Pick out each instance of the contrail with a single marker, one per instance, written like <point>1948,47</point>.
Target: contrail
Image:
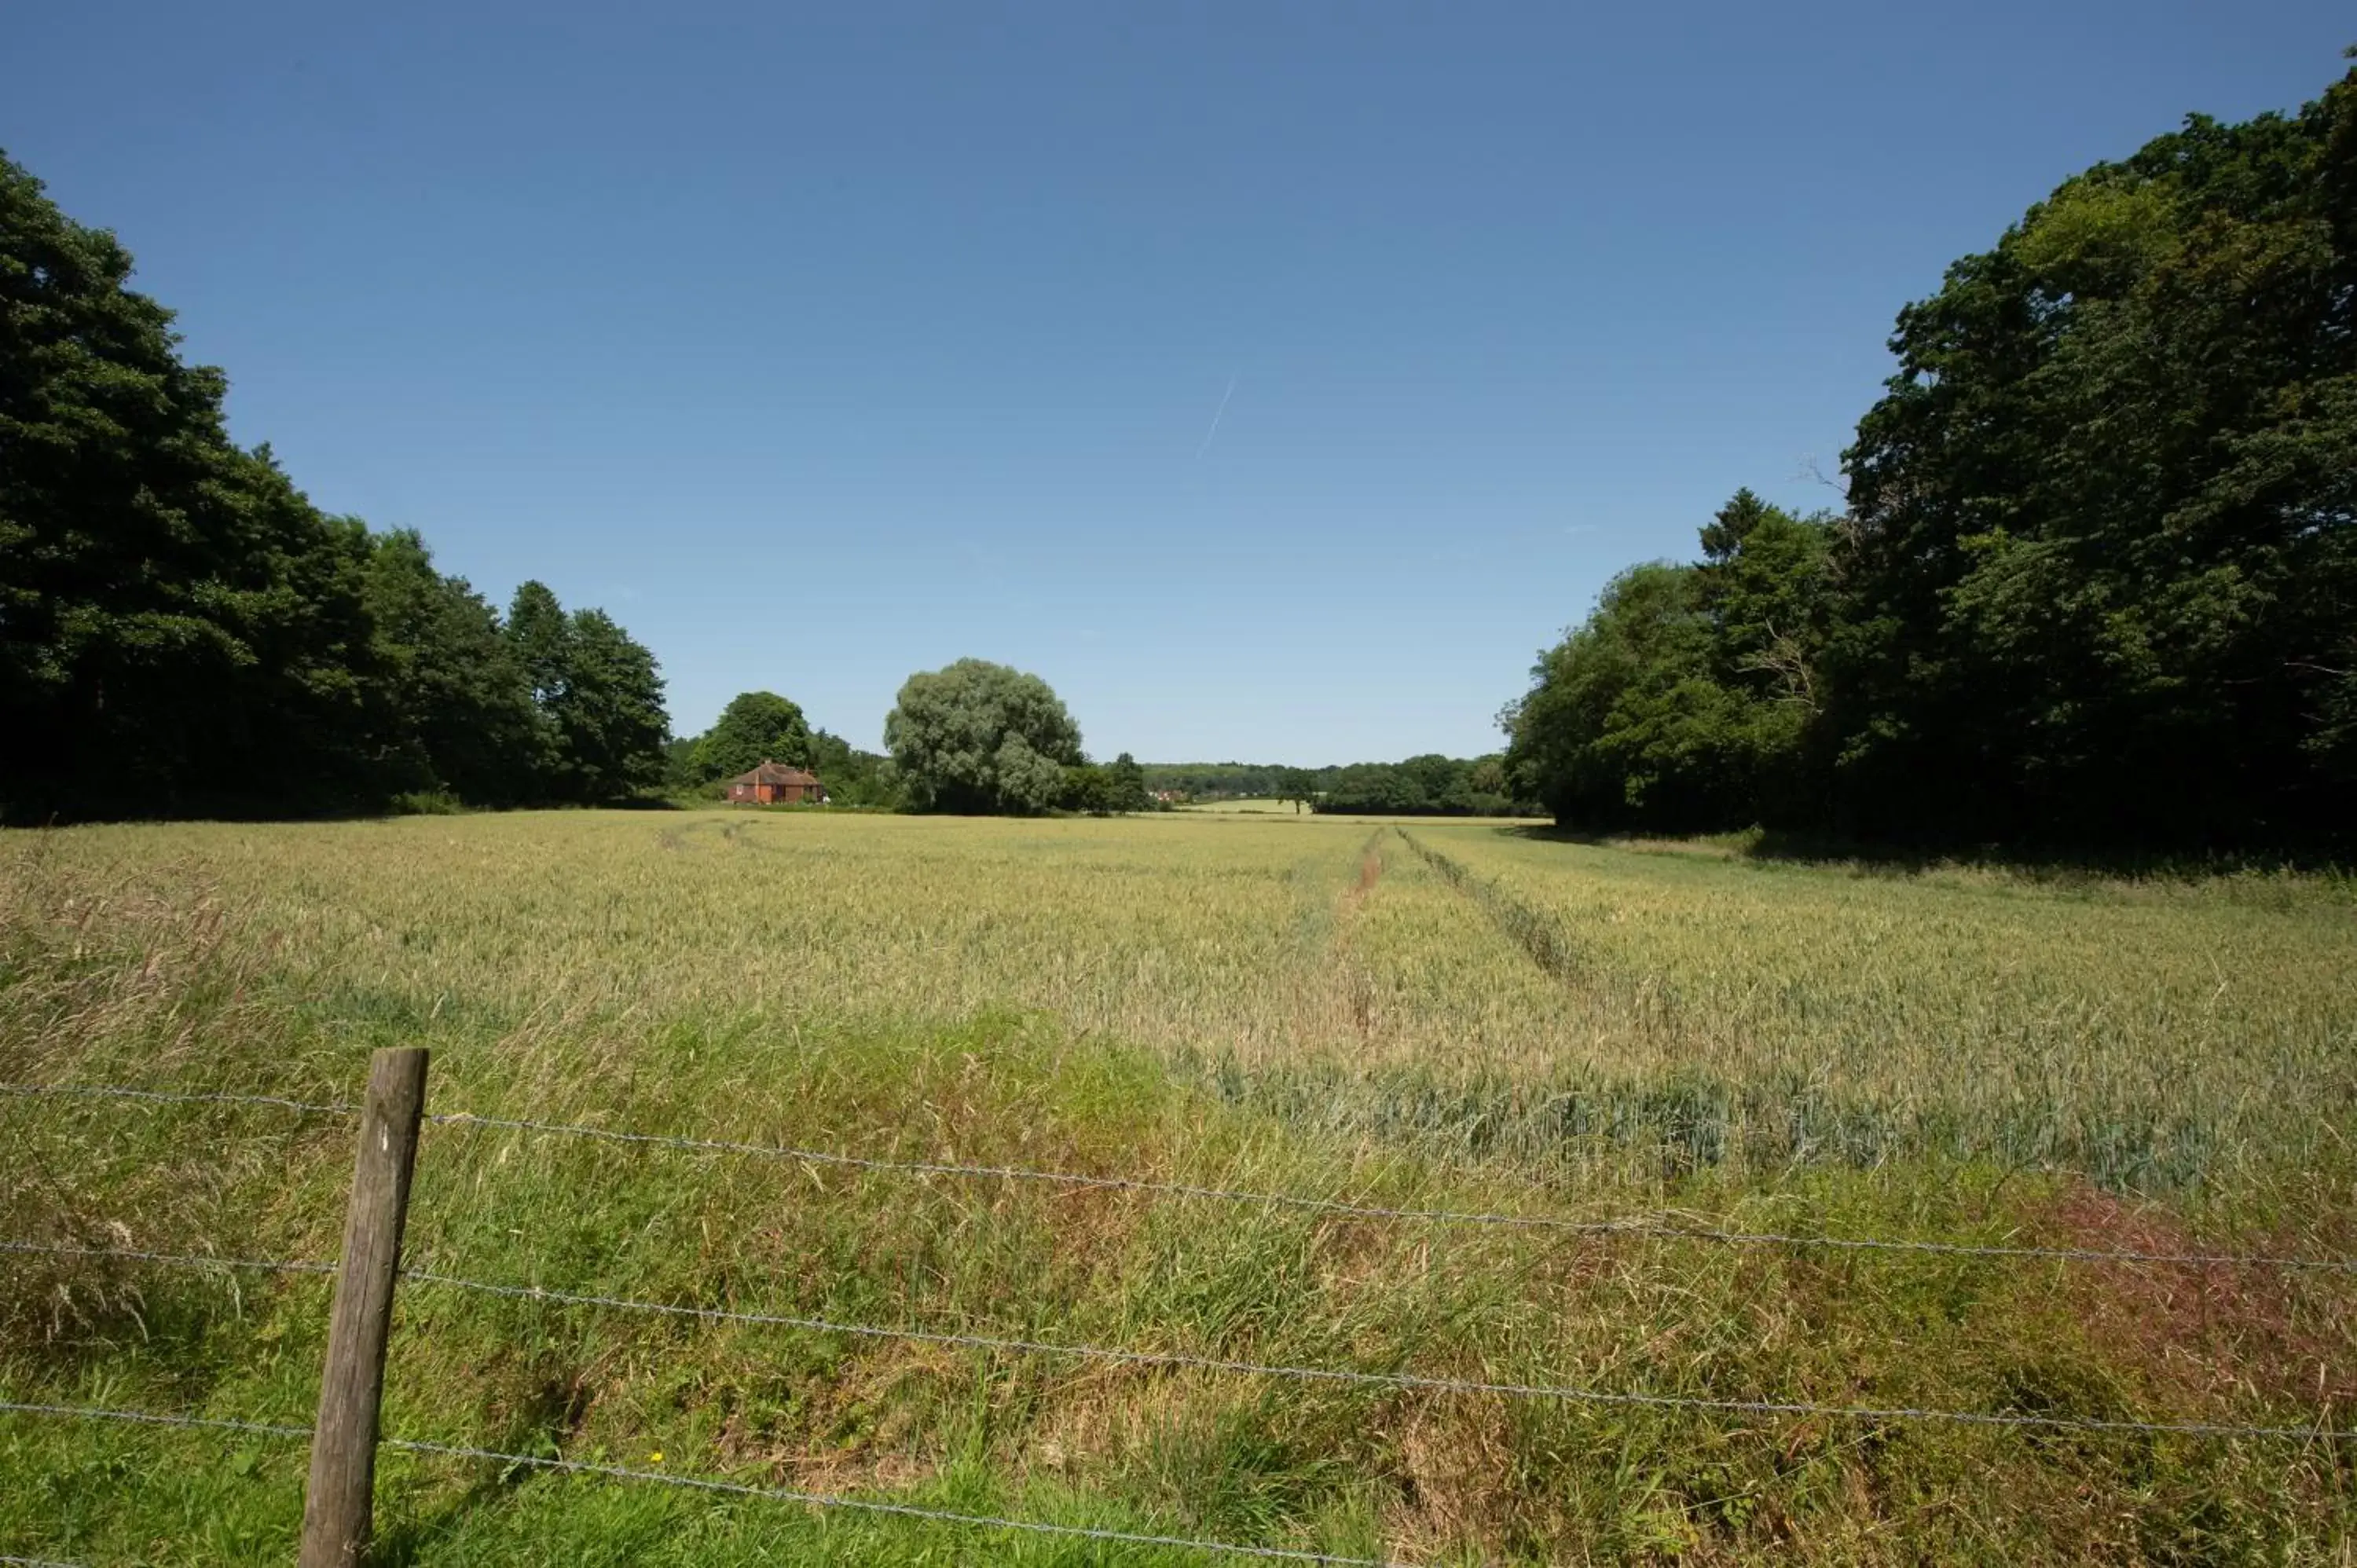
<point>1206,447</point>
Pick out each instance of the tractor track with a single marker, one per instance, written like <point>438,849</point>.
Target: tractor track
<point>1537,933</point>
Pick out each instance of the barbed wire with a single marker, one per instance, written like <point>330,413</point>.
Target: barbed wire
<point>1341,1209</point>
<point>1571,1392</point>
<point>153,1418</point>
<point>192,1260</point>
<point>174,1096</point>
<point>706,1484</point>
<point>1371,1211</point>
<point>1191,1362</point>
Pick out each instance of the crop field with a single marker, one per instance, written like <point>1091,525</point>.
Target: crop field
<point>1472,1017</point>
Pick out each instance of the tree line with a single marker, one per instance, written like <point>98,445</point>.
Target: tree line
<point>1425,785</point>
<point>974,738</point>
<point>762,727</point>
<point>183,631</point>
<point>978,739</point>
<point>2094,583</point>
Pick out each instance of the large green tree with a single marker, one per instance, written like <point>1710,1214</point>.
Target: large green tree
<point>181,629</point>
<point>2098,585</point>
<point>755,727</point>
<point>179,626</point>
<point>1126,788</point>
<point>1687,699</point>
<point>600,696</point>
<point>461,705</point>
<point>981,739</point>
<point>2102,581</point>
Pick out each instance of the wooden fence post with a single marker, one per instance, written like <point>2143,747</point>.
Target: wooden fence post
<point>336,1505</point>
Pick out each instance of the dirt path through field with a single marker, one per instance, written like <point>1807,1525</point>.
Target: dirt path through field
<point>1344,1002</point>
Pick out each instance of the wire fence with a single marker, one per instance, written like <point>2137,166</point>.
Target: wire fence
<point>1638,1226</point>
<point>1191,1361</point>
<point>184,1260</point>
<point>1167,1360</point>
<point>174,1096</point>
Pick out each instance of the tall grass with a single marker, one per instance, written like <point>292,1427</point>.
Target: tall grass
<point>1318,1008</point>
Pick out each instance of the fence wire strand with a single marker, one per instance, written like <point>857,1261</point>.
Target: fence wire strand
<point>1647,1226</point>
<point>183,1259</point>
<point>1369,1212</point>
<point>173,1097</point>
<point>153,1418</point>
<point>1337,1208</point>
<point>703,1484</point>
<point>1185,1360</point>
<point>1570,1392</point>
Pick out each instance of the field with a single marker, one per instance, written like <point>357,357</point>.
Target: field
<point>1420,1014</point>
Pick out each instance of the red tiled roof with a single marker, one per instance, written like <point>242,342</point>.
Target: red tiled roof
<point>776,773</point>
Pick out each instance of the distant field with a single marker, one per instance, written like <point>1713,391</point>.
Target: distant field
<point>1245,807</point>
<point>1414,1014</point>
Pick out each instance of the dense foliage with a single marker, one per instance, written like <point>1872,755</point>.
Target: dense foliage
<point>754,728</point>
<point>181,630</point>
<point>854,777</point>
<point>1103,789</point>
<point>1215,780</point>
<point>979,738</point>
<point>2098,579</point>
<point>1684,700</point>
<point>1428,785</point>
<point>758,726</point>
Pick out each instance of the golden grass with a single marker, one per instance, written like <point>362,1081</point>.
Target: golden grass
<point>2156,1034</point>
<point>1419,1014</point>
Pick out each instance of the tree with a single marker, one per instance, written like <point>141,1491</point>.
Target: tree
<point>1107,789</point>
<point>2098,580</point>
<point>610,723</point>
<point>1297,785</point>
<point>1687,699</point>
<point>1087,788</point>
<point>599,697</point>
<point>1126,786</point>
<point>179,625</point>
<point>541,635</point>
<point>853,776</point>
<point>2095,584</point>
<point>182,629</point>
<point>755,727</point>
<point>980,738</point>
<point>462,718</point>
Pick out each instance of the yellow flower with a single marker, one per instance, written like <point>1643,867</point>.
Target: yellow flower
<point>656,1455</point>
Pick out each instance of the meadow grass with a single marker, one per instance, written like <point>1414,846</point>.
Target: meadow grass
<point>1412,1014</point>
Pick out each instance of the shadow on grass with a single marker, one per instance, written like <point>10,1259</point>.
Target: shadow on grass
<point>2038,862</point>
<point>233,810</point>
<point>549,1417</point>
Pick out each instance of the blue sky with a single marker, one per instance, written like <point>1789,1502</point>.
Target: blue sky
<point>824,344</point>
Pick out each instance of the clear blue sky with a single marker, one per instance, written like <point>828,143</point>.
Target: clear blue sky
<point>826,344</point>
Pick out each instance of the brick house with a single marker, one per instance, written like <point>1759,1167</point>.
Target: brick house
<point>774,784</point>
